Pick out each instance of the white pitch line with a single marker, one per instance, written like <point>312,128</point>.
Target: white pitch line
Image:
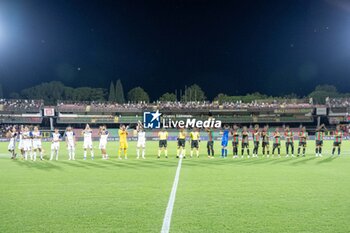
<point>169,208</point>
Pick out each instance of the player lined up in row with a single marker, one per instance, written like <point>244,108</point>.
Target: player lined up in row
<point>29,141</point>
<point>263,136</point>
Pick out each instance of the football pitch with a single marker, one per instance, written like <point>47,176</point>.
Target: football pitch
<point>213,195</point>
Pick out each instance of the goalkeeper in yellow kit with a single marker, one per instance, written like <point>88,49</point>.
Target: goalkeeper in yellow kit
<point>123,141</point>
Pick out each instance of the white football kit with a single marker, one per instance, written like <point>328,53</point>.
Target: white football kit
<point>20,143</point>
<point>141,139</point>
<point>27,141</point>
<point>87,139</point>
<point>12,144</point>
<point>70,140</point>
<point>55,141</point>
<point>103,140</point>
<point>36,140</point>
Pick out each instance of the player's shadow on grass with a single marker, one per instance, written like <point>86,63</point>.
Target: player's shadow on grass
<point>91,164</point>
<point>327,160</point>
<point>284,160</point>
<point>302,161</point>
<point>256,161</point>
<point>73,164</point>
<point>41,165</point>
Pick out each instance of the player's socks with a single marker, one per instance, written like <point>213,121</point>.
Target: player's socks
<point>166,153</point>
<point>56,154</point>
<point>338,150</point>
<point>85,153</point>
<point>225,152</point>
<point>70,155</point>
<point>177,153</point>
<point>191,153</point>
<point>143,153</point>
<point>333,150</point>
<point>51,156</point>
<point>197,153</point>
<point>222,152</point>
<point>92,154</point>
<point>73,155</point>
<point>304,152</point>
<point>26,155</point>
<point>159,151</point>
<point>125,154</point>
<point>138,153</point>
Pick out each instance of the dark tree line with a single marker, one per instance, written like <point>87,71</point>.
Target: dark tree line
<point>53,91</point>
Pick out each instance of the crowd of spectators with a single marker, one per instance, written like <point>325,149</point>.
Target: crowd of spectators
<point>115,107</point>
<point>338,102</point>
<point>4,128</point>
<point>21,105</point>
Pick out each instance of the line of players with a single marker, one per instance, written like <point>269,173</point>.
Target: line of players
<point>30,142</point>
<point>264,137</point>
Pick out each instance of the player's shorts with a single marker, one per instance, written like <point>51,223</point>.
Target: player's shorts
<point>302,144</point>
<point>70,146</point>
<point>27,146</point>
<point>20,145</point>
<point>37,145</point>
<point>55,146</point>
<point>256,144</point>
<point>319,142</point>
<point>277,145</point>
<point>141,144</point>
<point>163,143</point>
<point>265,144</point>
<point>245,145</point>
<point>210,144</point>
<point>123,145</point>
<point>336,143</point>
<point>289,144</point>
<point>87,144</point>
<point>235,144</point>
<point>102,145</point>
<point>194,144</point>
<point>224,143</point>
<point>181,142</point>
<point>12,145</point>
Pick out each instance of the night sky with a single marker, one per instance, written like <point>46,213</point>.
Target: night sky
<point>235,47</point>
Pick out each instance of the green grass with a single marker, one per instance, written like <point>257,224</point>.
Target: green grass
<point>214,195</point>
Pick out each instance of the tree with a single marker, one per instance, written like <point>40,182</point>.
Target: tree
<point>137,94</point>
<point>119,92</point>
<point>168,97</point>
<point>1,92</point>
<point>193,93</point>
<point>14,95</point>
<point>321,92</point>
<point>111,96</point>
<point>53,91</point>
<point>326,88</point>
<point>89,94</point>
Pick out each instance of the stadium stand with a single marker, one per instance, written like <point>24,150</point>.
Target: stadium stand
<point>20,111</point>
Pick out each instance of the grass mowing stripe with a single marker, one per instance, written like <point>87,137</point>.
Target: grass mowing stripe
<point>169,209</point>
